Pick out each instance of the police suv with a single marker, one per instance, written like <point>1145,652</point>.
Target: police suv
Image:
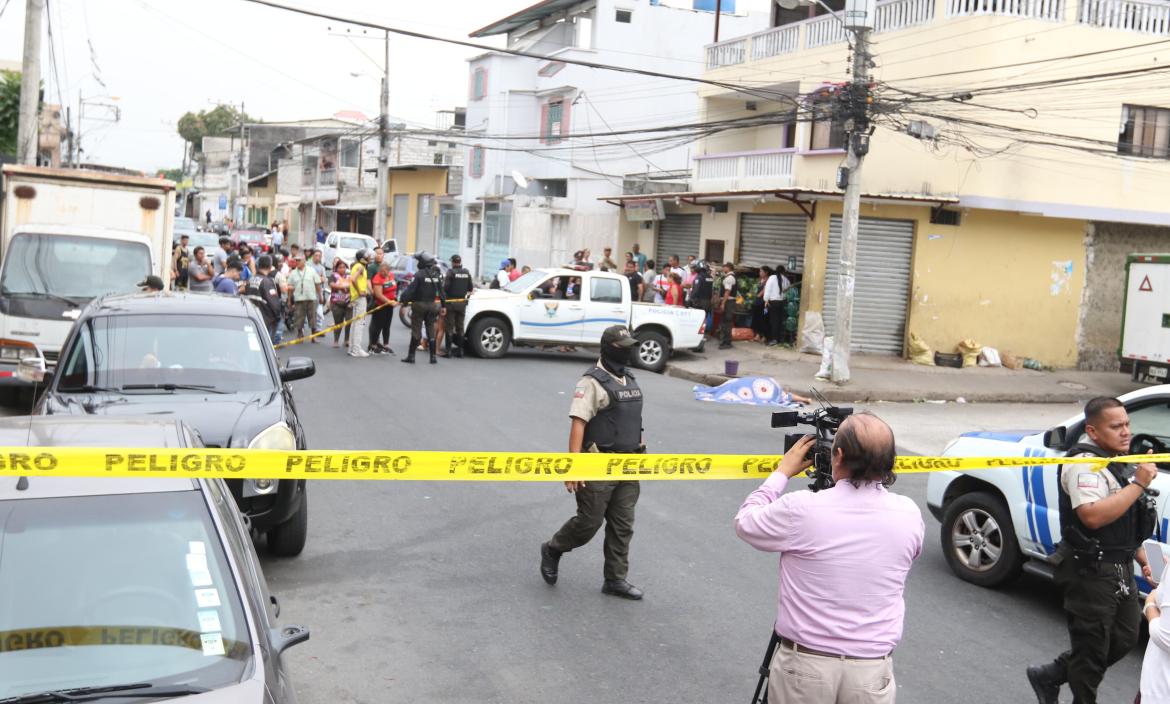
<point>997,523</point>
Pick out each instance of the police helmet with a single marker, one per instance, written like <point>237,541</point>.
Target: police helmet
<point>425,259</point>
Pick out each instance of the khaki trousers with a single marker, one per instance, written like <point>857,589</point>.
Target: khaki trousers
<point>798,678</point>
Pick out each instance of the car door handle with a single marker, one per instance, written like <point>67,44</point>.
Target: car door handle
<point>275,605</point>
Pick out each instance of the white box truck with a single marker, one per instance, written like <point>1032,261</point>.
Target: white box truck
<point>1145,326</point>
<point>68,236</point>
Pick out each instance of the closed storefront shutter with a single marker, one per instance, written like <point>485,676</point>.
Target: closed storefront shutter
<point>678,235</point>
<point>881,293</point>
<point>772,239</point>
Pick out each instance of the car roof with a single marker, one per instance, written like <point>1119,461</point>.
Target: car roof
<point>91,431</point>
<point>173,302</point>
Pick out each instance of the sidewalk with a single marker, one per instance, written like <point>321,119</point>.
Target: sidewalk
<point>882,378</point>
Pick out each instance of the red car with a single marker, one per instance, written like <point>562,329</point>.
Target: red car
<point>258,238</point>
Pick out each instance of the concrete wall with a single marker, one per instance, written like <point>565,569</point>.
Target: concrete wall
<point>1106,246</point>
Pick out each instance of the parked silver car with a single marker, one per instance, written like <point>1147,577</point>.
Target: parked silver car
<point>131,589</point>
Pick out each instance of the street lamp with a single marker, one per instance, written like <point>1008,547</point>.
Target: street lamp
<point>857,19</point>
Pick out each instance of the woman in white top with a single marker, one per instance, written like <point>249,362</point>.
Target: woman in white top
<point>774,307</point>
<point>1155,685</point>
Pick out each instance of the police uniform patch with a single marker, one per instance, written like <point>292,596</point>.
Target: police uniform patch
<point>580,393</point>
<point>1088,480</point>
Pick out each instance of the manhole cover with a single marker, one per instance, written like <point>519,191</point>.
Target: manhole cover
<point>1073,385</point>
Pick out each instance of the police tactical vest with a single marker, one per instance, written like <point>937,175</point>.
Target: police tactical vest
<point>428,286</point>
<point>618,427</point>
<point>702,289</point>
<point>1116,542</point>
<point>460,283</point>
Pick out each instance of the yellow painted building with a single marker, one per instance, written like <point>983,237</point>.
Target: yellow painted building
<point>414,201</point>
<point>1019,151</point>
<point>262,199</point>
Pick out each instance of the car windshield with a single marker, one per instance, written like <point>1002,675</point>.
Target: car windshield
<point>104,590</point>
<point>184,224</point>
<point>73,267</point>
<point>114,351</point>
<point>525,281</point>
<point>356,243</point>
<point>207,240</point>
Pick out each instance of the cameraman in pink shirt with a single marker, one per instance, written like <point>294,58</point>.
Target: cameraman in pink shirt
<point>845,554</point>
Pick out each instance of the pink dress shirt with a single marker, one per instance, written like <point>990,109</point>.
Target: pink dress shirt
<point>845,553</point>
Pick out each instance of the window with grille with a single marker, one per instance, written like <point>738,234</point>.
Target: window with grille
<point>553,121</point>
<point>1145,131</point>
<point>624,16</point>
<point>476,160</point>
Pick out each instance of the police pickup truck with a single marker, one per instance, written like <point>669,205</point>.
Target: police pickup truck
<point>999,522</point>
<point>566,307</point>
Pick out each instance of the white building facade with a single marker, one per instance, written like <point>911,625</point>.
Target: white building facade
<point>539,119</point>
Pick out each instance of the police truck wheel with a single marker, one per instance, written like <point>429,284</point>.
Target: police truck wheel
<point>979,541</point>
<point>652,351</point>
<point>288,538</point>
<point>490,338</point>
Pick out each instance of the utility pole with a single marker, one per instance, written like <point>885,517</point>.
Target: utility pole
<point>857,126</point>
<point>241,176</point>
<point>30,85</point>
<point>380,233</point>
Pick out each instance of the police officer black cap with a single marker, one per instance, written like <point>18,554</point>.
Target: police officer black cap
<point>617,336</point>
<point>456,260</point>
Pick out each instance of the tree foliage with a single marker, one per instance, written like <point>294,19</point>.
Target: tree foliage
<point>194,126</point>
<point>9,111</point>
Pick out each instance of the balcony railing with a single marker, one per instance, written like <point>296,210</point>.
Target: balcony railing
<point>328,178</point>
<point>770,168</point>
<point>1127,15</point>
<point>1030,9</point>
<point>892,15</point>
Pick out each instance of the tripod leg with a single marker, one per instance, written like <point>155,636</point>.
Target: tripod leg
<point>761,695</point>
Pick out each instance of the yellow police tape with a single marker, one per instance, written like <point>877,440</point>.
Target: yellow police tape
<point>440,465</point>
<point>62,636</point>
<point>351,321</point>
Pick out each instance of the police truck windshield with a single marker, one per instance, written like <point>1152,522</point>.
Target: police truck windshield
<point>137,589</point>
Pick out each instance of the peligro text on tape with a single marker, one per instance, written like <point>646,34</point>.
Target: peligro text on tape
<point>448,466</point>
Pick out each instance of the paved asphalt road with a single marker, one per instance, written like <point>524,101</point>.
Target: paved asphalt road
<point>429,592</point>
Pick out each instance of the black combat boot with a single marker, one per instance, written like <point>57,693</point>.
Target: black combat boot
<point>550,561</point>
<point>431,345</point>
<point>457,350</point>
<point>409,358</point>
<point>1046,681</point>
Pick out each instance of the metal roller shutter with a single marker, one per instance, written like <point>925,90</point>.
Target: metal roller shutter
<point>881,293</point>
<point>678,235</point>
<point>771,239</point>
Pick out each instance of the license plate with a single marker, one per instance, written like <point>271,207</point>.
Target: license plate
<point>1156,372</point>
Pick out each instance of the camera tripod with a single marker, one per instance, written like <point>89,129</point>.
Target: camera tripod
<point>761,695</point>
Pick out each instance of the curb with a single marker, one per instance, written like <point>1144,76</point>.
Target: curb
<point>851,394</point>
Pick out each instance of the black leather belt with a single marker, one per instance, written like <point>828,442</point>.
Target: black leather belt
<point>784,642</point>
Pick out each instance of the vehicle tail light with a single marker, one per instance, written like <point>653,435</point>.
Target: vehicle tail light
<point>703,327</point>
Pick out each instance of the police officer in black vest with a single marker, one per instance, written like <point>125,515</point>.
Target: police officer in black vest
<point>607,417</point>
<point>457,285</point>
<point>427,303</point>
<point>1104,518</point>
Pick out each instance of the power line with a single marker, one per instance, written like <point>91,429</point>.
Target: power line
<point>516,52</point>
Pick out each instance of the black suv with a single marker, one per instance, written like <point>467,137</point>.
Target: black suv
<point>206,359</point>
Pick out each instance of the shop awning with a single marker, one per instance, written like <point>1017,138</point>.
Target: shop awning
<point>802,197</point>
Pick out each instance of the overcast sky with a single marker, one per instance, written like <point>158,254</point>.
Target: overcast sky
<point>160,58</point>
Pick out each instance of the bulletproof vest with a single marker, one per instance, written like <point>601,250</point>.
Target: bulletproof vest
<point>701,288</point>
<point>618,427</point>
<point>460,283</point>
<point>1116,542</point>
<point>427,289</point>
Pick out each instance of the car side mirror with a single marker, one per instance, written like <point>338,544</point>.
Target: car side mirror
<point>298,368</point>
<point>332,245</point>
<point>1055,439</point>
<point>32,370</point>
<point>286,637</point>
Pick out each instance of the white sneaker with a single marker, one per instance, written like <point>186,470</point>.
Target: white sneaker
<point>359,353</point>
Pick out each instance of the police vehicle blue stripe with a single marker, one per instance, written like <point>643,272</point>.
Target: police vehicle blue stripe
<point>615,321</point>
<point>1002,436</point>
<point>1041,504</point>
<point>1028,501</point>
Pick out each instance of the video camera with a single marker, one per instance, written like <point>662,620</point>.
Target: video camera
<point>825,420</point>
